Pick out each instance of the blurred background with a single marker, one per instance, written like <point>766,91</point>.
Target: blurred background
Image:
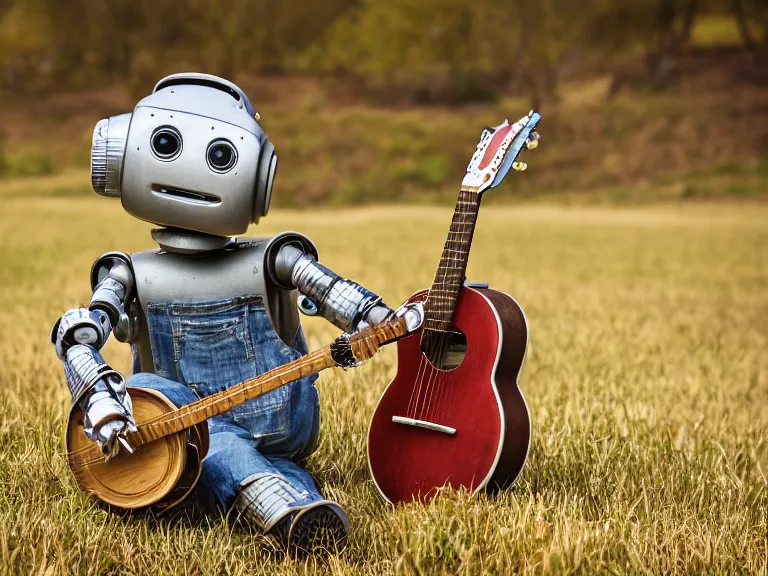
<point>373,101</point>
<point>636,243</point>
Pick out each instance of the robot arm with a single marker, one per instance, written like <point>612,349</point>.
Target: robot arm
<point>96,388</point>
<point>113,285</point>
<point>342,302</point>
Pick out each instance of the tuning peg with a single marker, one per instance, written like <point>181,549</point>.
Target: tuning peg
<point>533,141</point>
<point>519,166</point>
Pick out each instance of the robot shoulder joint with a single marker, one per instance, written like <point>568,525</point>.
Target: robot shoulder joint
<point>281,254</point>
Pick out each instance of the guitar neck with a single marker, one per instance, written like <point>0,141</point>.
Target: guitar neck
<point>220,402</point>
<point>450,275</point>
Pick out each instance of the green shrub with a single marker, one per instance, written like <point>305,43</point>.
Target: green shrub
<point>429,171</point>
<point>432,51</point>
<point>29,164</point>
<point>3,160</point>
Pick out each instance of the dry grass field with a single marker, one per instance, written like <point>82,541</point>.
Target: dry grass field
<point>647,379</point>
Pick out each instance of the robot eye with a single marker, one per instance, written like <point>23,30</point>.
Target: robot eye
<point>222,156</point>
<point>166,143</point>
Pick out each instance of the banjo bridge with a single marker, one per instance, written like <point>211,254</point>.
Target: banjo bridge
<point>424,424</point>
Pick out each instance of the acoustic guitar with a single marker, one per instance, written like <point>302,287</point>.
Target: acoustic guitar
<point>163,459</point>
<point>454,415</point>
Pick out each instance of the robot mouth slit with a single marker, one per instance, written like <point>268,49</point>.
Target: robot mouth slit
<point>199,198</point>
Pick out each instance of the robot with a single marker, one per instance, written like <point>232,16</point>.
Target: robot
<point>206,309</point>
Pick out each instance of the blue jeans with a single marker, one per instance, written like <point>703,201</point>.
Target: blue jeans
<point>202,347</point>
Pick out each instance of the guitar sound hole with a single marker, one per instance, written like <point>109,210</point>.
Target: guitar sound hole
<point>444,350</point>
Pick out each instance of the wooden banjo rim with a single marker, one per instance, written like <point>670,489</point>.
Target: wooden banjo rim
<point>129,481</point>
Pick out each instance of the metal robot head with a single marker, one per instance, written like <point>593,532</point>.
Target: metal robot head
<point>190,156</point>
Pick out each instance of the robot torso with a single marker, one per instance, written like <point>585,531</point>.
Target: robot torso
<point>175,291</point>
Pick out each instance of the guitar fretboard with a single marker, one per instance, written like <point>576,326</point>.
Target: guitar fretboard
<point>449,278</point>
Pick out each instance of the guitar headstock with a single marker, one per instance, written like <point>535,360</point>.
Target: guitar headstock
<point>498,151</point>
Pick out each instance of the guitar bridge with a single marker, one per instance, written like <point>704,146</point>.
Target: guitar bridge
<point>424,424</point>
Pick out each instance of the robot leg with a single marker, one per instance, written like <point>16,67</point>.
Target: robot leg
<point>301,526</point>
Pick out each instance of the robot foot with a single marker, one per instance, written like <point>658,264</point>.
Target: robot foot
<point>320,529</point>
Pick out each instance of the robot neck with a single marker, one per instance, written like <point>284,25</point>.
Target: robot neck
<point>187,241</point>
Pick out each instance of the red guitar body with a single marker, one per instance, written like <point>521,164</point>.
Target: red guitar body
<point>467,427</point>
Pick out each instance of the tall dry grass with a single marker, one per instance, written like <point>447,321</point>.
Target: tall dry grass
<point>647,379</point>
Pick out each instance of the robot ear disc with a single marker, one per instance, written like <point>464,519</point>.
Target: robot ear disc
<point>107,149</point>
<point>99,157</point>
<point>270,182</point>
<point>265,177</point>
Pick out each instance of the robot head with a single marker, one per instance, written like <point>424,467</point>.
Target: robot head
<point>190,156</point>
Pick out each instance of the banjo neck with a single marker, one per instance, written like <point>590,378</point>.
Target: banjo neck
<point>346,351</point>
<point>191,414</point>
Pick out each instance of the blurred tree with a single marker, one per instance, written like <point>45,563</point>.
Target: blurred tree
<point>24,45</point>
<point>424,51</point>
<point>658,29</point>
<point>458,50</point>
<point>427,51</point>
<point>751,15</point>
<point>78,43</point>
<point>554,34</point>
<point>673,30</point>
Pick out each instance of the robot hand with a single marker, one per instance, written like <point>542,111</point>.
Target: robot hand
<point>111,436</point>
<point>375,315</point>
<point>80,326</point>
<point>413,312</point>
<point>108,415</point>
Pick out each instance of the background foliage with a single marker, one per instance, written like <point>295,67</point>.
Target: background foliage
<point>381,101</point>
<point>426,51</point>
<point>646,375</point>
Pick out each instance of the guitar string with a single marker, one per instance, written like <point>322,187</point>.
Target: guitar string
<point>442,377</point>
<point>440,357</point>
<point>430,344</point>
<point>419,374</point>
<point>449,393</point>
<point>430,334</point>
<point>443,405</point>
<point>423,362</point>
<point>439,350</point>
<point>423,414</point>
<point>427,367</point>
<point>431,348</point>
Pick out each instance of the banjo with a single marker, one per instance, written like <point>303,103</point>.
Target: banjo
<point>167,448</point>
